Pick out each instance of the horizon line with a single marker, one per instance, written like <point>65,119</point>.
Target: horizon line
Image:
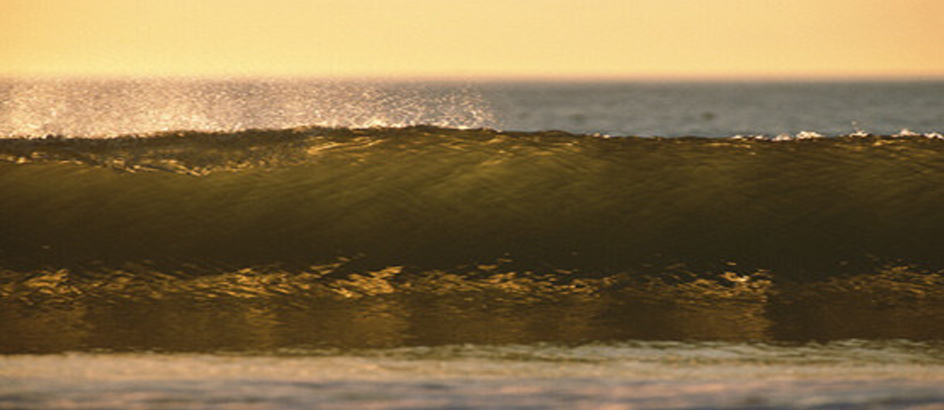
<point>521,78</point>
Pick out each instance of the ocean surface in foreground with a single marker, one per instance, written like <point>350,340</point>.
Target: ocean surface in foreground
<point>629,375</point>
<point>275,244</point>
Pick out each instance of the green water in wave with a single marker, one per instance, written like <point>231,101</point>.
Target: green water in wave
<point>428,236</point>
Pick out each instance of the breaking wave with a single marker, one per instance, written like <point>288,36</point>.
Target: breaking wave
<point>381,236</point>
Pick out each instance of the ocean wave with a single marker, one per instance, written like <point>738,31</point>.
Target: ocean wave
<point>438,198</point>
<point>632,237</point>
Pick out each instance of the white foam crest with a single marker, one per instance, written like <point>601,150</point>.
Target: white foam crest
<point>750,137</point>
<point>802,135</point>
<point>906,133</point>
<point>104,108</point>
<point>806,135</point>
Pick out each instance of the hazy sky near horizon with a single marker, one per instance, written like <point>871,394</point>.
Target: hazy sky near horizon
<point>474,38</point>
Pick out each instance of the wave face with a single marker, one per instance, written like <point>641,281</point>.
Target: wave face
<point>377,237</point>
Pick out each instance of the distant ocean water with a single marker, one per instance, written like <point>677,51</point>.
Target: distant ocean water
<point>702,109</point>
<point>313,244</point>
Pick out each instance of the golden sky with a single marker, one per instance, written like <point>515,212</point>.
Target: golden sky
<point>474,38</point>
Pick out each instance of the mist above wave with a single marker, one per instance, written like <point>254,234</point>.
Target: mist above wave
<point>108,108</point>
